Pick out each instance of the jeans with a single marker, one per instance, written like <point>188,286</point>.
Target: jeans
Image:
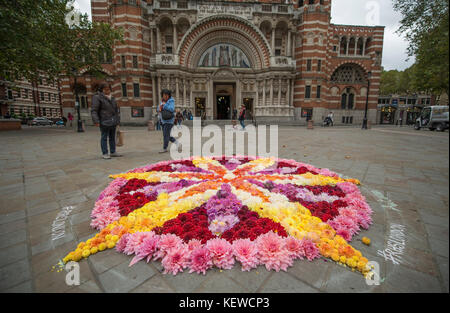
<point>242,123</point>
<point>167,127</point>
<point>108,132</point>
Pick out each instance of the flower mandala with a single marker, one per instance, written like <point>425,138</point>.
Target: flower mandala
<point>203,212</point>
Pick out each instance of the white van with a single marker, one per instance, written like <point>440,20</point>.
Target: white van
<point>434,117</point>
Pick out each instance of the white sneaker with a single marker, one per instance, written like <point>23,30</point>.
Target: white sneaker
<point>106,156</point>
<point>163,151</point>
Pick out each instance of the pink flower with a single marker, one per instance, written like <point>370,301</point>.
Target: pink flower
<point>175,260</point>
<point>272,252</point>
<point>134,241</point>
<point>147,248</point>
<point>200,260</point>
<point>221,253</point>
<point>166,243</point>
<point>294,247</point>
<point>246,252</point>
<point>122,243</point>
<point>193,244</point>
<point>104,219</point>
<point>309,249</point>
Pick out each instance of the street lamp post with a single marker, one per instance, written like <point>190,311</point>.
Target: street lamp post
<point>364,125</point>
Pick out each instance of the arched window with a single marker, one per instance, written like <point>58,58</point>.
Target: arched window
<point>343,101</point>
<point>348,99</point>
<point>349,74</point>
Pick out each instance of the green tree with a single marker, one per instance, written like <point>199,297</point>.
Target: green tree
<point>37,39</point>
<point>425,25</point>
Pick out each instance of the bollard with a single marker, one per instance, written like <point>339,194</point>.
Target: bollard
<point>310,124</point>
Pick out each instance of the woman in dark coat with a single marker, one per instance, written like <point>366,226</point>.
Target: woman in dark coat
<point>105,114</point>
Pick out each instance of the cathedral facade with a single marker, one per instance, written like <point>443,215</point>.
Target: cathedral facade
<point>284,60</point>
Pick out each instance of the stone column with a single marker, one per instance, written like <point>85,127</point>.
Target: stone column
<point>175,39</point>
<point>288,93</point>
<point>271,91</point>
<point>152,41</point>
<point>158,40</point>
<point>364,46</point>
<point>264,93</point>
<point>339,46</point>
<point>348,44</point>
<point>279,92</point>
<point>356,45</point>
<point>289,50</point>
<point>273,41</point>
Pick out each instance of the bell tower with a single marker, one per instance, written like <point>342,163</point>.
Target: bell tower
<point>313,22</point>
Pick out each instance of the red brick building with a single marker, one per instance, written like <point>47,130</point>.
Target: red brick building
<point>283,59</point>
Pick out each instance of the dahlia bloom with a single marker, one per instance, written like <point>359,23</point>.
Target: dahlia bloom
<point>134,241</point>
<point>294,247</point>
<point>272,252</point>
<point>166,243</point>
<point>309,249</point>
<point>147,248</point>
<point>221,253</point>
<point>122,243</point>
<point>176,259</point>
<point>246,252</point>
<point>200,260</point>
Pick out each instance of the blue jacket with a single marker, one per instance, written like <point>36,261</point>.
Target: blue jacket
<point>169,106</point>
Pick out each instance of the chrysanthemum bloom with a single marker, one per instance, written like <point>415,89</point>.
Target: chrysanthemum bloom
<point>294,247</point>
<point>221,253</point>
<point>122,243</point>
<point>134,241</point>
<point>166,243</point>
<point>200,260</point>
<point>176,259</point>
<point>272,252</point>
<point>310,250</point>
<point>147,248</point>
<point>246,252</point>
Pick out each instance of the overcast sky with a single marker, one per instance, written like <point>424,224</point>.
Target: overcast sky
<point>355,12</point>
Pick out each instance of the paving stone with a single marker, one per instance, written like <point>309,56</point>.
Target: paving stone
<point>185,281</point>
<point>156,284</point>
<point>123,278</point>
<point>250,280</point>
<point>443,266</point>
<point>219,283</point>
<point>13,253</point>
<point>25,287</point>
<point>439,247</point>
<point>403,279</point>
<point>313,273</point>
<point>12,238</point>
<point>284,283</point>
<point>13,274</point>
<point>11,217</point>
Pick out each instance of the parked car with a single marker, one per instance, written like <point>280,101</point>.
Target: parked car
<point>41,121</point>
<point>434,117</point>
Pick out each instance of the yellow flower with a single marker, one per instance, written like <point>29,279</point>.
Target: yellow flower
<point>101,246</point>
<point>366,240</point>
<point>110,244</point>
<point>343,259</point>
<point>335,257</point>
<point>86,253</point>
<point>94,250</point>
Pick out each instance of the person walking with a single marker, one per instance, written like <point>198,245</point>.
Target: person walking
<point>242,116</point>
<point>330,117</point>
<point>105,115</point>
<point>167,109</point>
<point>70,117</point>
<point>178,118</point>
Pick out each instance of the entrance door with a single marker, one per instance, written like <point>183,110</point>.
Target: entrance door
<point>223,107</point>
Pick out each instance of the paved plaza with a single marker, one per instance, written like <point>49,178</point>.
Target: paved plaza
<point>404,176</point>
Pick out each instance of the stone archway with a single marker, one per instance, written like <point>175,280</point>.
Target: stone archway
<point>224,29</point>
